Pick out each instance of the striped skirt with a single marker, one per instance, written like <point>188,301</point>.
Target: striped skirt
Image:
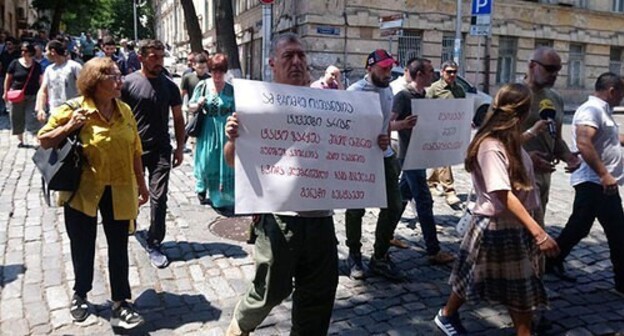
<point>499,262</point>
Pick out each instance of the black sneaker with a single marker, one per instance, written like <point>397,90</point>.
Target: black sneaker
<point>356,268</point>
<point>157,257</point>
<point>125,317</point>
<point>201,196</point>
<point>79,308</point>
<point>386,268</point>
<point>450,325</point>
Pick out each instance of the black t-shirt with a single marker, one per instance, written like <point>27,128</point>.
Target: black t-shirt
<point>20,74</point>
<point>6,58</point>
<point>402,105</point>
<point>190,80</point>
<point>150,100</point>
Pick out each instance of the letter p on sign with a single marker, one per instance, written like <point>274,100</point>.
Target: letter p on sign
<point>481,7</point>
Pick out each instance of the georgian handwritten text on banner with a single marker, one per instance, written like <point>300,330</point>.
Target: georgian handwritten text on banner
<point>303,149</point>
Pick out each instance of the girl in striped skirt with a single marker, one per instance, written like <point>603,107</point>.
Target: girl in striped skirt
<point>499,259</point>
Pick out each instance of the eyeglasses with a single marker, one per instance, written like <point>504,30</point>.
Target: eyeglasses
<point>116,78</point>
<point>451,72</point>
<point>24,50</point>
<point>549,67</point>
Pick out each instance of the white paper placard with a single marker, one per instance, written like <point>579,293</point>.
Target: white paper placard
<point>303,149</point>
<point>442,133</point>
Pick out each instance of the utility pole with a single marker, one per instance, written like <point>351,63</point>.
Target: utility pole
<point>458,36</point>
<point>134,9</point>
<point>267,23</point>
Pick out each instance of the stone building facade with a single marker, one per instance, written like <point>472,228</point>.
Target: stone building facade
<point>16,16</point>
<point>586,33</point>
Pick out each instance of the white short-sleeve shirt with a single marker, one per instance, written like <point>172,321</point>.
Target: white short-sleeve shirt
<point>597,113</point>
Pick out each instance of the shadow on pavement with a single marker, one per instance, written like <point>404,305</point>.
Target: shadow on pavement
<point>185,251</point>
<point>5,124</point>
<point>375,305</point>
<point>9,273</point>
<point>165,311</point>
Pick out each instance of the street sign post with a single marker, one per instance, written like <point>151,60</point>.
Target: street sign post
<point>481,20</point>
<point>389,26</point>
<point>267,21</point>
<point>481,7</point>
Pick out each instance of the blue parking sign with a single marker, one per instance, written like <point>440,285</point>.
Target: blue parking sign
<point>481,7</point>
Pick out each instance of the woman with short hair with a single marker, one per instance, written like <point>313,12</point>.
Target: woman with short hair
<point>111,180</point>
<point>214,97</point>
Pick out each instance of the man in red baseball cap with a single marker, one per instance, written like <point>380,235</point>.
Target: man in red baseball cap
<point>378,66</point>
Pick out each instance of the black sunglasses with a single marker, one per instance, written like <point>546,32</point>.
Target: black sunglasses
<point>450,72</point>
<point>549,67</point>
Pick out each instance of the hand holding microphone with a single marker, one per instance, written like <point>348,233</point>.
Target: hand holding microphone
<point>547,112</point>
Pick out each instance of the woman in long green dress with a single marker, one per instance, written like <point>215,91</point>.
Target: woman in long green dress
<point>214,97</point>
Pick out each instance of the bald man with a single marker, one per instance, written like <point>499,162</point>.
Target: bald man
<point>546,148</point>
<point>331,80</point>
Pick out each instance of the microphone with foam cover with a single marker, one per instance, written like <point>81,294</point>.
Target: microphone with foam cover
<point>547,112</point>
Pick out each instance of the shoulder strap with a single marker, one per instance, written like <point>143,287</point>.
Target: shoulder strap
<point>205,87</point>
<point>32,68</point>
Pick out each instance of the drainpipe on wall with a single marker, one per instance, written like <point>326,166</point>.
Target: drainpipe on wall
<point>346,34</point>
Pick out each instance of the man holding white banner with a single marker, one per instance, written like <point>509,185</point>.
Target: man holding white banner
<point>378,65</point>
<point>446,88</point>
<point>299,245</point>
<point>414,181</point>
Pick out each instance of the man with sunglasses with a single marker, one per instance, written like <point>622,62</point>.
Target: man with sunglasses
<point>445,88</point>
<point>546,148</point>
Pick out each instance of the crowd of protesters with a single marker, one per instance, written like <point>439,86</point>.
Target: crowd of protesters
<point>98,87</point>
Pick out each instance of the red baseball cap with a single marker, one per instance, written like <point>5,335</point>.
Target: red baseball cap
<point>380,57</point>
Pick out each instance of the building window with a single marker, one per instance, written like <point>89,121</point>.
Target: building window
<point>448,44</point>
<point>543,43</point>
<point>575,65</point>
<point>618,6</point>
<point>410,45</point>
<point>615,60</point>
<point>448,48</point>
<point>507,50</point>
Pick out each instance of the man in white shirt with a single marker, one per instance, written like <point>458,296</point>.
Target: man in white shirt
<point>59,80</point>
<point>596,136</point>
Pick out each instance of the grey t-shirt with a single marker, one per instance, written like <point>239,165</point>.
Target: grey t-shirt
<point>596,113</point>
<point>61,82</point>
<point>190,81</point>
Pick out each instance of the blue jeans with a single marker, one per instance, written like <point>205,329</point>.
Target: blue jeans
<point>413,184</point>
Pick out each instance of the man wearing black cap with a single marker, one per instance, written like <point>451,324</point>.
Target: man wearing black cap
<point>378,66</point>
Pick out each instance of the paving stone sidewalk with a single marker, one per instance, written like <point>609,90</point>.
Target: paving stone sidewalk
<point>196,294</point>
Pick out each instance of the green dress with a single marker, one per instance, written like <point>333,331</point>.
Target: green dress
<point>212,174</point>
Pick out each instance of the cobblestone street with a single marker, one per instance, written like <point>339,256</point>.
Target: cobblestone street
<point>196,294</point>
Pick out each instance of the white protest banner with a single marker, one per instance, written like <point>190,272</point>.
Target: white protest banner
<point>442,133</point>
<point>303,149</point>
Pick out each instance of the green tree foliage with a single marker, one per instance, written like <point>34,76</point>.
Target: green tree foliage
<point>114,16</point>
